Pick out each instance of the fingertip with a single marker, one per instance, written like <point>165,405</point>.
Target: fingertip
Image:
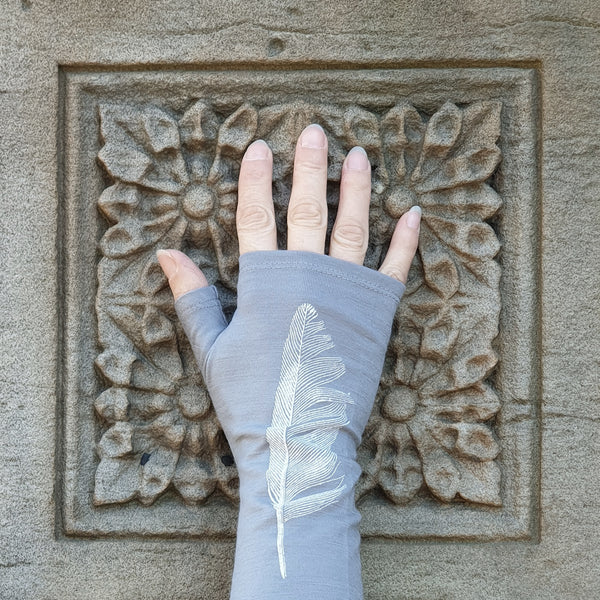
<point>258,150</point>
<point>313,136</point>
<point>181,272</point>
<point>357,160</point>
<point>413,217</point>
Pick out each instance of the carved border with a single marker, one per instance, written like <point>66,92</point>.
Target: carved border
<point>516,374</point>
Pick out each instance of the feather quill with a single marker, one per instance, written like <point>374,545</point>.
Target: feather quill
<point>307,416</point>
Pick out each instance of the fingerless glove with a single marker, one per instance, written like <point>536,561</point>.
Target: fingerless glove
<point>293,378</point>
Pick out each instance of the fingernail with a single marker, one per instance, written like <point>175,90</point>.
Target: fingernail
<point>414,217</point>
<point>313,137</point>
<point>257,150</point>
<point>167,262</point>
<point>357,159</point>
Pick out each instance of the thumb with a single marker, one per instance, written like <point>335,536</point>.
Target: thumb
<point>196,303</point>
<point>183,275</point>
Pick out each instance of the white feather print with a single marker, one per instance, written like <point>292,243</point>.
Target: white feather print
<point>306,419</point>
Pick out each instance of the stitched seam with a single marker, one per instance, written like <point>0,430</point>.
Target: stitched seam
<point>194,307</point>
<point>370,286</point>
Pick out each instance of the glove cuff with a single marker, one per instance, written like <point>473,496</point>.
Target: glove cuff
<point>313,262</point>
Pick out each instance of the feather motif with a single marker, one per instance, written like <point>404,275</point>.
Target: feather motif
<point>306,419</point>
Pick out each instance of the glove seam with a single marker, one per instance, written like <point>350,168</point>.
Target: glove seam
<point>325,271</point>
<point>195,306</point>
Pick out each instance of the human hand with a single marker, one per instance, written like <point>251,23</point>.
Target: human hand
<point>281,396</point>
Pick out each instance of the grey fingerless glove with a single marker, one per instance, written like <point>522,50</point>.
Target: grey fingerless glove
<point>293,378</point>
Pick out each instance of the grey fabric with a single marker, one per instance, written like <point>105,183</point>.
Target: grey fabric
<point>330,386</point>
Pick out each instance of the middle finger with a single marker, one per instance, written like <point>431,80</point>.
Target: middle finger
<point>307,211</point>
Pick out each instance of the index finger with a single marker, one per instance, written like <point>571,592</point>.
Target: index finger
<point>255,216</point>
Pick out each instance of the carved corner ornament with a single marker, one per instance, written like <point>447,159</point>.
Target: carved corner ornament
<point>173,184</point>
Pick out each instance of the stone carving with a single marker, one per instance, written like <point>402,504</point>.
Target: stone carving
<point>173,181</point>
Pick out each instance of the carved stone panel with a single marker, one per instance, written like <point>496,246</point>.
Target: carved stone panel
<point>151,161</point>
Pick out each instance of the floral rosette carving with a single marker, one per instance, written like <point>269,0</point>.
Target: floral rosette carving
<point>435,423</point>
<point>174,185</point>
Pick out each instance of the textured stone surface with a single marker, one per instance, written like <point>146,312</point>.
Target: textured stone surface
<point>172,164</point>
<point>540,61</point>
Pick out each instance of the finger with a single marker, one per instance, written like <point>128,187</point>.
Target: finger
<point>350,234</point>
<point>183,275</point>
<point>307,211</point>
<point>403,245</point>
<point>255,216</point>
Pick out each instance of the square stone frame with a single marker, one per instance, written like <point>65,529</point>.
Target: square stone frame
<point>518,373</point>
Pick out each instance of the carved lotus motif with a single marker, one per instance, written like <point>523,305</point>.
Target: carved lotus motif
<point>174,185</point>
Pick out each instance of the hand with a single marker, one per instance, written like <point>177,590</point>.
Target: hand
<point>294,375</point>
<point>307,213</point>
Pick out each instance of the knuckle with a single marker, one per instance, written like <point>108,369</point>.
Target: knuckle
<point>306,213</point>
<point>350,235</point>
<point>394,272</point>
<point>254,217</point>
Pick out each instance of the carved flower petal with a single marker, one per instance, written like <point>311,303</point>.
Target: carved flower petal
<point>237,131</point>
<point>469,239</point>
<point>162,131</point>
<point>193,480</point>
<point>471,166</point>
<point>439,270</point>
<point>133,235</point>
<point>168,430</point>
<point>157,328</point>
<point>480,482</point>
<point>225,215</point>
<point>116,365</point>
<point>400,476</point>
<point>116,441</point>
<point>402,131</point>
<point>224,472</point>
<point>155,368</point>
<point>112,404</point>
<point>157,474</point>
<point>441,134</point>
<point>472,156</point>
<point>439,469</point>
<point>161,375</point>
<point>117,480</point>
<point>439,339</point>
<point>477,403</point>
<point>441,475</point>
<point>472,366</point>
<point>476,441</point>
<point>361,128</point>
<point>481,125</point>
<point>226,249</point>
<point>152,277</point>
<point>475,201</point>
<point>194,444</point>
<point>129,164</point>
<point>119,201</point>
<point>142,146</point>
<point>198,126</point>
<point>147,405</point>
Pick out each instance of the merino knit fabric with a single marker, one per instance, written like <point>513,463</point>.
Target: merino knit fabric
<point>293,378</point>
